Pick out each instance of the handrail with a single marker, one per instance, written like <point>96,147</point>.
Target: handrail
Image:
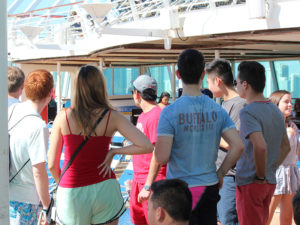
<point>121,13</point>
<point>42,9</point>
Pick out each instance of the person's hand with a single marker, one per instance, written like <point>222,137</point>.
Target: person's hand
<point>291,131</point>
<point>106,164</point>
<point>44,219</point>
<point>143,195</point>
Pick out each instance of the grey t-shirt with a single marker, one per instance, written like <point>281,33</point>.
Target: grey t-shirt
<point>232,107</point>
<point>262,117</point>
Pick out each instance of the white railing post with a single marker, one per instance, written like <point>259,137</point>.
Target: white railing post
<point>58,87</point>
<point>4,185</point>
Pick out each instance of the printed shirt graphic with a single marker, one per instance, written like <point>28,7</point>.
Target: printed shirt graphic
<point>196,124</point>
<point>147,123</point>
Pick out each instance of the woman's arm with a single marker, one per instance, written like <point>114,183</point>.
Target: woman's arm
<point>41,182</point>
<point>55,149</point>
<point>140,143</point>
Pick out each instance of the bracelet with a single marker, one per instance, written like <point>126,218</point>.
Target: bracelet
<point>260,178</point>
<point>44,211</point>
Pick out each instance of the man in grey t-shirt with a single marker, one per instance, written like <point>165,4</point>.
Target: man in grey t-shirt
<point>221,84</point>
<point>265,146</point>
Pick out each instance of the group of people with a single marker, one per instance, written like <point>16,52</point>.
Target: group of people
<point>194,161</point>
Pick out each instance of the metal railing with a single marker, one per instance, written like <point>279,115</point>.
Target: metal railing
<point>59,24</point>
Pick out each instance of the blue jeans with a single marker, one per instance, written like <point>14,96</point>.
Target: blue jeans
<point>227,214</point>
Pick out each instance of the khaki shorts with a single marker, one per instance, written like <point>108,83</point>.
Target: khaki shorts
<point>94,204</point>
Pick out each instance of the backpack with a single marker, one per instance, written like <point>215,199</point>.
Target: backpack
<point>9,129</point>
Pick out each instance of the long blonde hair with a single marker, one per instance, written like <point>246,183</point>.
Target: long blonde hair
<point>90,97</point>
<point>276,96</point>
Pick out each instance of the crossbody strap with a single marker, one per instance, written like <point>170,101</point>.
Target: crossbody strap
<point>11,179</point>
<point>80,146</point>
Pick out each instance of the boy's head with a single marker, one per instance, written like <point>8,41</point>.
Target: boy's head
<point>250,74</point>
<point>144,87</point>
<point>219,73</point>
<point>190,66</point>
<point>170,200</point>
<point>16,79</point>
<point>39,85</point>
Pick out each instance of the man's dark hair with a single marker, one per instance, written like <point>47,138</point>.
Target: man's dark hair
<point>174,196</point>
<point>222,69</point>
<point>254,73</point>
<point>190,66</point>
<point>148,94</point>
<point>296,207</point>
<point>15,78</point>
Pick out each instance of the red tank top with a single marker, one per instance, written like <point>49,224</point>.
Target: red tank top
<point>83,170</point>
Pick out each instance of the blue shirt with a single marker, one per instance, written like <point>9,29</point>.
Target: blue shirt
<point>196,124</point>
<point>12,101</point>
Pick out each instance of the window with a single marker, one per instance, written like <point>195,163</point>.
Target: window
<point>108,77</point>
<point>123,78</point>
<point>163,77</point>
<point>288,76</point>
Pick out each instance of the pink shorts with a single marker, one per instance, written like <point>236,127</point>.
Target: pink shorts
<point>196,193</point>
<point>252,203</point>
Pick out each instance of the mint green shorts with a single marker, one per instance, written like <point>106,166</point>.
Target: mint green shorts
<point>94,204</point>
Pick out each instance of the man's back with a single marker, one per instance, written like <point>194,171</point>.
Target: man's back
<point>262,117</point>
<point>196,124</point>
<point>147,123</point>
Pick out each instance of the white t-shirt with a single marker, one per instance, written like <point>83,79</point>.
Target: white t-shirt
<point>28,139</point>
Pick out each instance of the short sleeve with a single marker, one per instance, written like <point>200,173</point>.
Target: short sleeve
<point>249,124</point>
<point>38,145</point>
<point>236,117</point>
<point>165,127</point>
<point>228,123</point>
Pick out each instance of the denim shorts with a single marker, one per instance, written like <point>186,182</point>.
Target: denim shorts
<point>21,213</point>
<point>93,204</point>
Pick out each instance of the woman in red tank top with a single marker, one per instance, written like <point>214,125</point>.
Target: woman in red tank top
<point>88,192</point>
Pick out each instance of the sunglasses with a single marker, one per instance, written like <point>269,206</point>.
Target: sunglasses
<point>234,83</point>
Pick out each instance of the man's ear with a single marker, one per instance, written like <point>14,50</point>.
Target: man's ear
<point>218,80</point>
<point>178,75</point>
<point>202,75</point>
<point>160,214</point>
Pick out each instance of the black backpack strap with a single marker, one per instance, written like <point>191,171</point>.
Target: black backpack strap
<point>10,180</point>
<point>80,146</point>
<point>21,120</point>
<point>12,112</point>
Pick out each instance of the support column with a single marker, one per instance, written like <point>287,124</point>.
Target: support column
<point>4,173</point>
<point>173,83</point>
<point>58,87</point>
<point>101,62</point>
<point>217,55</point>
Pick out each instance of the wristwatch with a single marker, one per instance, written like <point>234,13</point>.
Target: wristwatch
<point>260,178</point>
<point>147,187</point>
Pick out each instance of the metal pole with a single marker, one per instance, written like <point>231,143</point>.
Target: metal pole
<point>217,55</point>
<point>4,173</point>
<point>58,87</point>
<point>173,83</point>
